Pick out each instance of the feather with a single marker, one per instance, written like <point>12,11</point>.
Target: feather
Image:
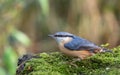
<point>80,44</point>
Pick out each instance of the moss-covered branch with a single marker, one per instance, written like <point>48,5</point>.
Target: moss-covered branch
<point>58,64</point>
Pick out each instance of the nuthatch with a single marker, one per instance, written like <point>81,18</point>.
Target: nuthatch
<point>76,46</point>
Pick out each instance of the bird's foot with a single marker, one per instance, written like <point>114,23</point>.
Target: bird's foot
<point>73,62</point>
<point>76,59</point>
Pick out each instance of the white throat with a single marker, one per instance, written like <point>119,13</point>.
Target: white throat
<point>64,40</point>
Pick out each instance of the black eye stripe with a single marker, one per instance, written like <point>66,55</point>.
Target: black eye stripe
<point>63,35</point>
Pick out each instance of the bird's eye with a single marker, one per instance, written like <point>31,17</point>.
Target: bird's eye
<point>59,35</point>
<point>63,35</point>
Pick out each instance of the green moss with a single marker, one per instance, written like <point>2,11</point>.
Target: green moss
<point>58,64</point>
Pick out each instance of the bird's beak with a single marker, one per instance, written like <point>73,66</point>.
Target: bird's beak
<point>51,36</point>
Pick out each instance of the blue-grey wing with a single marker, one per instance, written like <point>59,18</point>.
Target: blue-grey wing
<point>80,44</point>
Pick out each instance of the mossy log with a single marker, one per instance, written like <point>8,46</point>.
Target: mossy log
<point>56,63</point>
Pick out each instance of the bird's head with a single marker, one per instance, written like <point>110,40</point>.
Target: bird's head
<point>62,37</point>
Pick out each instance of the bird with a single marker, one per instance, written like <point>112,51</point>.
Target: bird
<point>76,46</point>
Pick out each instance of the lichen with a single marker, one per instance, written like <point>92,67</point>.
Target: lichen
<point>56,63</point>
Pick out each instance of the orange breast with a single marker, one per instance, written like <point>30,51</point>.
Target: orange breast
<point>76,53</point>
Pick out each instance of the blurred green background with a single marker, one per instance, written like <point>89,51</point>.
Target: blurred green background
<point>25,25</point>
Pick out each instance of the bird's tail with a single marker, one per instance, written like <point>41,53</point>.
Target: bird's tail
<point>106,50</point>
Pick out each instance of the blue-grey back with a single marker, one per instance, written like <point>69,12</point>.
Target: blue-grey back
<point>79,43</point>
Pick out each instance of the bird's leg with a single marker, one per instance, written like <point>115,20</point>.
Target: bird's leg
<point>74,60</point>
<point>82,55</point>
